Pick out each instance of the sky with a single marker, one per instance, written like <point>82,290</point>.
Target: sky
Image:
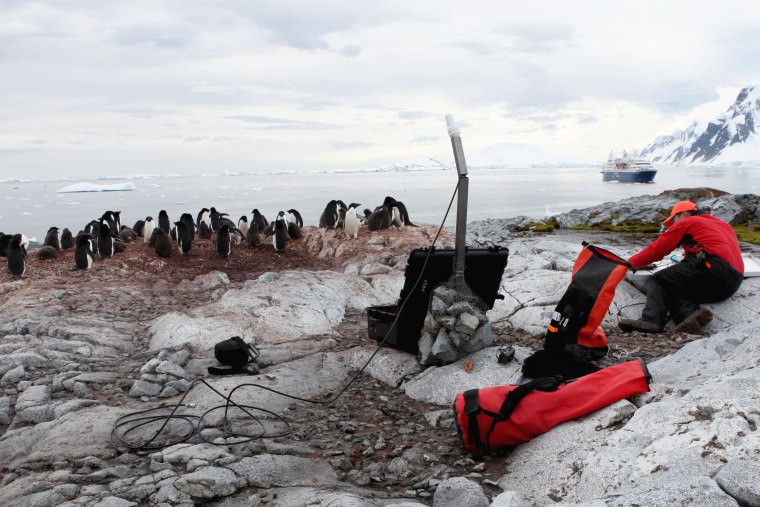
<point>190,86</point>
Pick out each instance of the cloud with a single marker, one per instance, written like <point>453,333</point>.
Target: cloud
<point>280,123</point>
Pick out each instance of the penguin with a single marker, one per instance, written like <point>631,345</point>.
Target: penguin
<point>84,255</point>
<point>163,244</point>
<point>280,238</point>
<point>367,213</point>
<point>215,219</point>
<point>203,217</point>
<point>92,228</point>
<point>243,224</point>
<point>127,235</point>
<point>163,221</point>
<point>67,239</point>
<point>294,231</point>
<point>154,237</point>
<point>117,218</point>
<point>223,241</point>
<point>341,218</point>
<point>252,236</point>
<point>110,218</point>
<point>52,239</point>
<point>187,219</point>
<point>46,253</point>
<point>294,217</point>
<point>118,245</point>
<point>400,216</point>
<point>148,227</point>
<point>269,230</point>
<point>139,227</point>
<point>352,221</point>
<point>17,255</point>
<point>105,240</point>
<point>329,217</point>
<point>379,219</point>
<point>4,240</point>
<point>204,230</point>
<point>184,237</point>
<point>259,219</point>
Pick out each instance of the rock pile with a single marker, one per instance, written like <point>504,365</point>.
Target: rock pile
<point>163,376</point>
<point>454,326</point>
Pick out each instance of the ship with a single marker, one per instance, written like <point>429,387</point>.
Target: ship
<point>628,168</point>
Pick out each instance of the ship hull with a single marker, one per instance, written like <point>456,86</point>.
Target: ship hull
<point>629,176</point>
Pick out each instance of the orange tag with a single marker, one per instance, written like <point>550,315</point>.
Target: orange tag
<point>468,365</point>
<point>553,329</point>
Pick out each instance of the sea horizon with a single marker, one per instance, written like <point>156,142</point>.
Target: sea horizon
<point>31,206</point>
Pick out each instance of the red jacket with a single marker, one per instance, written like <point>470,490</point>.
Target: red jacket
<point>713,234</point>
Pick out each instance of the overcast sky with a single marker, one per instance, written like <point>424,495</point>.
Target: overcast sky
<point>198,86</point>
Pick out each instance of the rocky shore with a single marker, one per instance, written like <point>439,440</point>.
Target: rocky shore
<point>79,350</point>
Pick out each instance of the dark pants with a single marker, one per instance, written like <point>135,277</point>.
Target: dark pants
<point>679,289</point>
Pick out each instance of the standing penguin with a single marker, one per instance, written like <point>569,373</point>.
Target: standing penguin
<point>242,224</point>
<point>216,219</point>
<point>84,255</point>
<point>184,237</point>
<point>379,219</point>
<point>223,241</point>
<point>329,217</point>
<point>259,219</point>
<point>203,217</point>
<point>204,230</point>
<point>163,244</point>
<point>252,236</point>
<point>187,219</point>
<point>109,217</point>
<point>51,239</point>
<point>399,214</point>
<point>163,221</point>
<point>280,238</point>
<point>117,219</point>
<point>105,240</point>
<point>67,239</point>
<point>294,217</point>
<point>139,227</point>
<point>17,255</point>
<point>352,221</point>
<point>148,227</point>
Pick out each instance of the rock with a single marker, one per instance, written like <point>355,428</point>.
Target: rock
<point>32,397</point>
<point>480,339</point>
<point>172,369</point>
<point>514,499</point>
<point>114,501</point>
<point>467,323</point>
<point>425,350</point>
<point>442,349</point>
<point>739,479</point>
<point>144,388</point>
<point>266,471</point>
<point>458,491</point>
<point>208,482</point>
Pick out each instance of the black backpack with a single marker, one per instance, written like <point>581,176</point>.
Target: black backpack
<point>238,355</point>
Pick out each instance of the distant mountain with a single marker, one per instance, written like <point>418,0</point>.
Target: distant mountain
<point>520,155</point>
<point>731,138</point>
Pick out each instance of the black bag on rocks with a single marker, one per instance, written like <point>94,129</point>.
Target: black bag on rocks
<point>238,355</point>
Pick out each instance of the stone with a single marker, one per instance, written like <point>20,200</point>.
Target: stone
<point>458,491</point>
<point>467,323</point>
<point>13,376</point>
<point>480,339</point>
<point>208,482</point>
<point>739,478</point>
<point>442,349</point>
<point>114,501</point>
<point>144,388</point>
<point>438,307</point>
<point>32,397</point>
<point>513,499</point>
<point>172,369</point>
<point>425,350</point>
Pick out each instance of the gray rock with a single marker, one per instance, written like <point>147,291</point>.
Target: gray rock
<point>425,350</point>
<point>180,357</point>
<point>13,376</point>
<point>144,388</point>
<point>5,410</point>
<point>266,471</point>
<point>114,501</point>
<point>480,339</point>
<point>739,479</point>
<point>438,307</point>
<point>442,349</point>
<point>467,323</point>
<point>172,369</point>
<point>150,366</point>
<point>512,499</point>
<point>32,397</point>
<point>208,482</point>
<point>457,492</point>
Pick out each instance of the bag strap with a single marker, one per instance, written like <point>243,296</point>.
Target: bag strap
<point>471,410</point>
<point>515,396</point>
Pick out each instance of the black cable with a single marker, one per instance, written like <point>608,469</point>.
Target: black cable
<point>130,423</point>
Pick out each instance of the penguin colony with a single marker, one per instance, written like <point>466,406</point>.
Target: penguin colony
<point>106,237</point>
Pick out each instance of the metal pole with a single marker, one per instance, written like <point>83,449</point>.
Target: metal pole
<point>462,192</point>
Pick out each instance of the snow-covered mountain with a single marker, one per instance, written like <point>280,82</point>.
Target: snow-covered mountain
<point>731,138</point>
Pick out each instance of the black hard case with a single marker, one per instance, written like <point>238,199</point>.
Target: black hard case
<point>484,268</point>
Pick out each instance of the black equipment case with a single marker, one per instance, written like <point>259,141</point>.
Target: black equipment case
<point>484,268</point>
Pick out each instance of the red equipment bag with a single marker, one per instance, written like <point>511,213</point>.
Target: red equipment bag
<point>503,416</point>
<point>575,322</point>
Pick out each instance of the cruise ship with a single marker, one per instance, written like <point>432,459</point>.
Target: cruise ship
<point>628,169</point>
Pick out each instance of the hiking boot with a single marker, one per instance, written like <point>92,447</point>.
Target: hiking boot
<point>694,321</point>
<point>642,326</point>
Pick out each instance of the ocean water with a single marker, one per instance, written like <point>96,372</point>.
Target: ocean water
<point>31,207</point>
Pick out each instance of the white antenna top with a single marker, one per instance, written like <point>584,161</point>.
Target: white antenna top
<point>451,123</point>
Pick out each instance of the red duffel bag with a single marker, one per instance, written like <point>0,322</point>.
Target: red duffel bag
<point>504,416</point>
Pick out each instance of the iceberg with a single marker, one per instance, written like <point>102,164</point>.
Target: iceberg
<point>91,187</point>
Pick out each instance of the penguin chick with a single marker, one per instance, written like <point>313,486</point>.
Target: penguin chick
<point>162,243</point>
<point>280,238</point>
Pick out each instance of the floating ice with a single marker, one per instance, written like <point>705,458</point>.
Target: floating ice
<point>91,187</point>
